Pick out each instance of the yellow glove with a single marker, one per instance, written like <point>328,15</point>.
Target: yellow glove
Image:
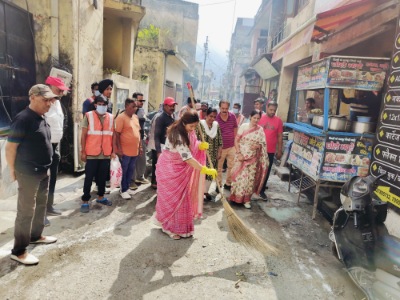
<point>212,172</point>
<point>204,146</point>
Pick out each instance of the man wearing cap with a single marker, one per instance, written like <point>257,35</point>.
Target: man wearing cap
<point>160,132</point>
<point>105,89</point>
<point>141,162</point>
<point>55,118</point>
<point>28,153</point>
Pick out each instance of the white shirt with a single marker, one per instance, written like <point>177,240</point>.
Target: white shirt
<point>55,118</point>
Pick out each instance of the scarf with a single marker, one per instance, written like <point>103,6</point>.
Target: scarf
<point>212,133</point>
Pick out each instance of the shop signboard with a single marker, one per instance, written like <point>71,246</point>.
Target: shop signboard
<point>306,153</point>
<point>357,73</point>
<point>344,158</point>
<point>312,76</point>
<point>386,154</point>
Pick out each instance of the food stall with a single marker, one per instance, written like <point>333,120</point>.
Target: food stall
<point>328,148</point>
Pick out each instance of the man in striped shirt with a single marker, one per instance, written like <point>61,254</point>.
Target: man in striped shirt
<point>228,125</point>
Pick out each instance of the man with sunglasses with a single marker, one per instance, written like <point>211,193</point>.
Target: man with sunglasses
<point>29,153</point>
<point>140,167</point>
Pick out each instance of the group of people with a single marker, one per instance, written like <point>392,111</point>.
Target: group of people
<point>184,174</point>
<point>178,153</point>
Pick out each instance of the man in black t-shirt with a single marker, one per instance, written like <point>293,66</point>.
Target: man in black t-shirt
<point>160,132</point>
<point>29,154</point>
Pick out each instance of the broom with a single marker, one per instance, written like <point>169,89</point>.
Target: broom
<point>241,233</point>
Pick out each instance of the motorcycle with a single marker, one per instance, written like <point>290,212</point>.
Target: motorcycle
<point>360,240</point>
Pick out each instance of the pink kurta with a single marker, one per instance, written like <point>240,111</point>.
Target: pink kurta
<point>177,189</point>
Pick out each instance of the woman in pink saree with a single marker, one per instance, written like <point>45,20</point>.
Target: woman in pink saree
<point>251,161</point>
<point>177,167</point>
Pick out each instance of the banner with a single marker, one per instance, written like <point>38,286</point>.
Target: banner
<point>306,153</point>
<point>345,157</point>
<point>386,154</point>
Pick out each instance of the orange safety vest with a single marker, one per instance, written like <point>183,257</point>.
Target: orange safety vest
<point>99,136</point>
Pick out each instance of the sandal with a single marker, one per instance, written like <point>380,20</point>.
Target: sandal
<point>173,236</point>
<point>104,201</point>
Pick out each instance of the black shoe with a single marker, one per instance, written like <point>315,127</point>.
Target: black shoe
<point>51,211</point>
<point>227,187</point>
<point>46,222</point>
<point>263,196</point>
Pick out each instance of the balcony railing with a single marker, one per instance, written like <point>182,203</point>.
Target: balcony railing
<point>282,33</point>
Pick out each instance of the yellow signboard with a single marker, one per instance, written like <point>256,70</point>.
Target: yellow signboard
<point>384,194</point>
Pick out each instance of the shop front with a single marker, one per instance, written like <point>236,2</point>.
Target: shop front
<point>338,102</point>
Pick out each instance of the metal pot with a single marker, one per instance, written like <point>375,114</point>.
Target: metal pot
<point>318,121</point>
<point>337,123</point>
<point>362,127</point>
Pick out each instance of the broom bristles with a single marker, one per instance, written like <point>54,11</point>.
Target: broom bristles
<point>242,234</point>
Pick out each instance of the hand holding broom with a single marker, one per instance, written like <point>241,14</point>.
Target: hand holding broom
<point>239,230</point>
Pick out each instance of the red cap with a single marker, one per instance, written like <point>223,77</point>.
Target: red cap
<point>57,82</point>
<point>169,101</point>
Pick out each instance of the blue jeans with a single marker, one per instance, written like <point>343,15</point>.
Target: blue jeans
<point>128,167</point>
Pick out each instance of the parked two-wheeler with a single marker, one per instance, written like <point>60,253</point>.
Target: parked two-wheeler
<point>362,243</point>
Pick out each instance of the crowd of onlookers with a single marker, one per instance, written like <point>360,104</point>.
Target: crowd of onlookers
<point>247,146</point>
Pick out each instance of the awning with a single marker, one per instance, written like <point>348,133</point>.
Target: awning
<point>330,20</point>
<point>265,69</point>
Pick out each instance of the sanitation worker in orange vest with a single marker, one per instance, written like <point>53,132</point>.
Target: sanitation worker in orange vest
<point>97,142</point>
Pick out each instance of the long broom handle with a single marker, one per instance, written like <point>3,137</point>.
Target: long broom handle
<point>202,137</point>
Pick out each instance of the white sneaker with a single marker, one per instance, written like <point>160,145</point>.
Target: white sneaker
<point>247,205</point>
<point>27,259</point>
<point>125,195</point>
<point>130,192</point>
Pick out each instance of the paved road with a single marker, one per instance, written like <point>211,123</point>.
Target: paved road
<point>117,253</point>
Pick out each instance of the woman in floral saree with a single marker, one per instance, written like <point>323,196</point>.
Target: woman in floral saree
<point>251,162</point>
<point>176,166</point>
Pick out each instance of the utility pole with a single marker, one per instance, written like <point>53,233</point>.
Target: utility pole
<point>204,67</point>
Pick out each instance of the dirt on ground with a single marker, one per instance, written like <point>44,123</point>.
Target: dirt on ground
<point>118,253</point>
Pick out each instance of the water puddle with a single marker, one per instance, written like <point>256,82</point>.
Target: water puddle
<point>282,214</point>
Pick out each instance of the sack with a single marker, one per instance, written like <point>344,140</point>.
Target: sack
<point>115,173</point>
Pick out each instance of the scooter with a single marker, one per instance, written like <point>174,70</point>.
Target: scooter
<point>361,241</point>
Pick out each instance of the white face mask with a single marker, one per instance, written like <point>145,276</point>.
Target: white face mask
<point>101,109</point>
<point>96,93</point>
<point>235,110</point>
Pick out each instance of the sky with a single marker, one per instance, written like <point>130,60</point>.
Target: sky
<point>217,21</point>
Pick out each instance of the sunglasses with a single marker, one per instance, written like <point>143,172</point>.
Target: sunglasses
<point>142,100</point>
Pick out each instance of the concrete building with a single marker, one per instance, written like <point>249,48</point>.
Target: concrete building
<point>84,40</point>
<point>239,59</point>
<point>167,48</point>
<point>317,28</point>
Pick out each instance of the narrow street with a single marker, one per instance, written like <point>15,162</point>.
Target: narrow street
<point>117,253</point>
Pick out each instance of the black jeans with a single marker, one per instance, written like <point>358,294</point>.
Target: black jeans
<point>154,160</point>
<point>271,161</point>
<point>95,168</point>
<point>53,174</point>
<point>31,209</point>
